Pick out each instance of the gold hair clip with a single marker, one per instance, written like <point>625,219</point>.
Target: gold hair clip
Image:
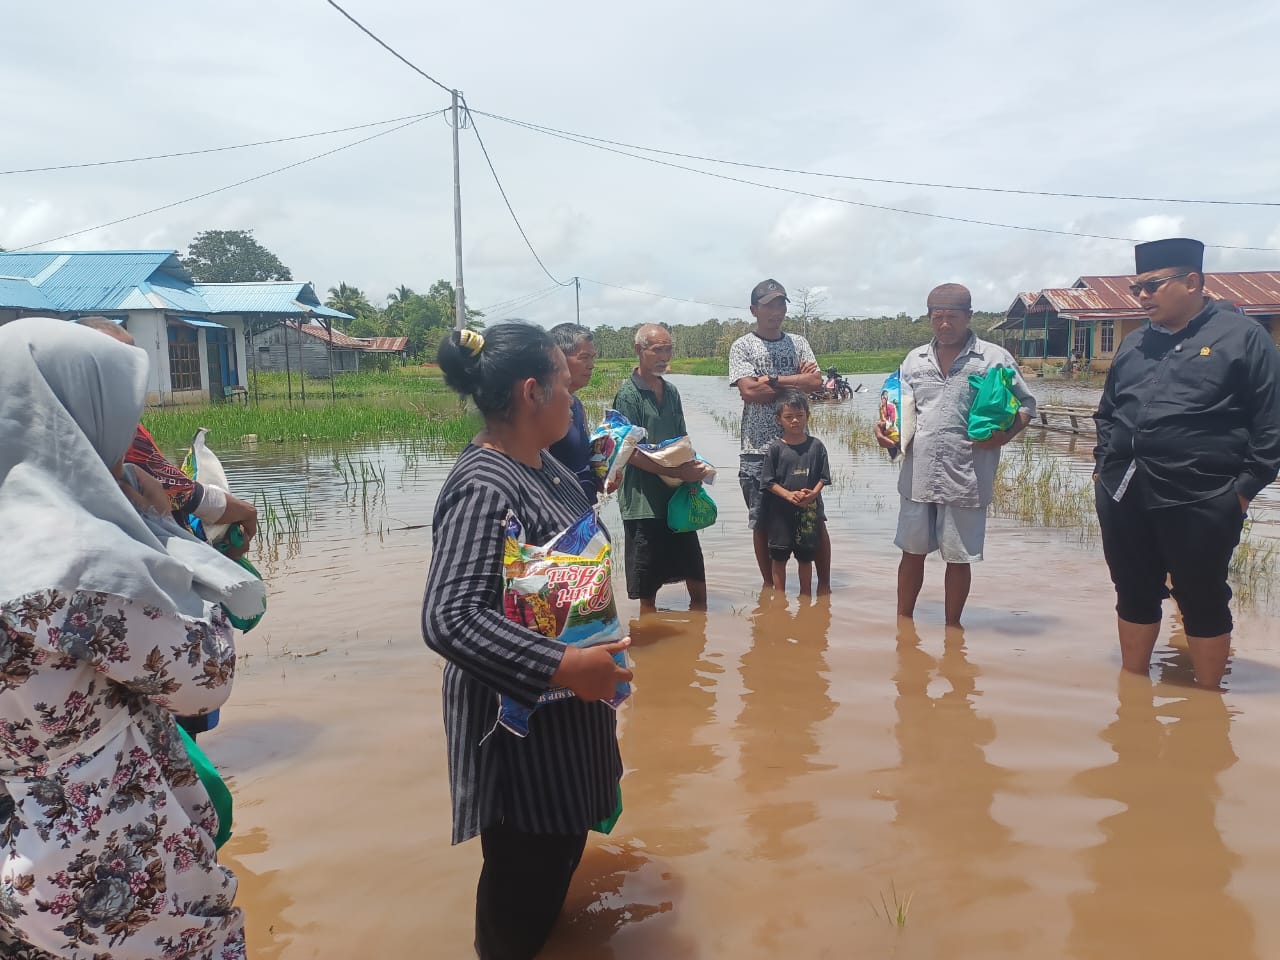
<point>473,341</point>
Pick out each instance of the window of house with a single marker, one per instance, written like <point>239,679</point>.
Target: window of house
<point>184,358</point>
<point>1107,336</point>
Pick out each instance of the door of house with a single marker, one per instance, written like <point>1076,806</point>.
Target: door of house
<point>218,345</point>
<point>1083,347</point>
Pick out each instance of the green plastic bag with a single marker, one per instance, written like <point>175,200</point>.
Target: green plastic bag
<point>994,406</point>
<point>219,795</point>
<point>606,825</point>
<point>235,538</point>
<point>690,508</point>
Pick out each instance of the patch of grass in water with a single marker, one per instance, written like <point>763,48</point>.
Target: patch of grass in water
<point>436,417</point>
<point>1044,491</point>
<point>895,909</point>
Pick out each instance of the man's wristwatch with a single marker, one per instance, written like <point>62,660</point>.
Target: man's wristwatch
<point>773,381</point>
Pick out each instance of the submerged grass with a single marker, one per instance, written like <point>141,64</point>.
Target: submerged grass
<point>839,423</point>
<point>1044,491</point>
<point>439,418</point>
<point>894,909</point>
<point>1253,571</point>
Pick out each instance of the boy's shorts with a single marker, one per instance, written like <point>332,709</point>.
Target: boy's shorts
<point>958,533</point>
<point>783,554</point>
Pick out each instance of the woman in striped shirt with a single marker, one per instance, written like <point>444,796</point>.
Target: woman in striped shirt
<point>531,800</point>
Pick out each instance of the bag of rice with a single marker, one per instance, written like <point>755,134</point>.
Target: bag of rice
<point>673,453</point>
<point>563,589</point>
<point>612,444</point>
<point>897,412</point>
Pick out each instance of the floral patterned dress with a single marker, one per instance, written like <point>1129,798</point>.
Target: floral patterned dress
<point>106,834</point>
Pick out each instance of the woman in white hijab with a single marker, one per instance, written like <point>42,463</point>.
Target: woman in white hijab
<point>110,623</point>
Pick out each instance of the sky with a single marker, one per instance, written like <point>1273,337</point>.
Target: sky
<point>1172,100</point>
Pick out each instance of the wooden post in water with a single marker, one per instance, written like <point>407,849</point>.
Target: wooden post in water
<point>288,373</point>
<point>328,324</point>
<point>302,367</point>
<point>253,360</point>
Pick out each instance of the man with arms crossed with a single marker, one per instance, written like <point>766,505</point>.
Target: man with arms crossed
<point>764,365</point>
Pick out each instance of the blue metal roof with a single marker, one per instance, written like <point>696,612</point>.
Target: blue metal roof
<point>111,280</point>
<point>18,292</point>
<point>106,279</point>
<point>269,296</point>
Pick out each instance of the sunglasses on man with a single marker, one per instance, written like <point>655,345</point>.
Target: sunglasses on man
<point>1149,287</point>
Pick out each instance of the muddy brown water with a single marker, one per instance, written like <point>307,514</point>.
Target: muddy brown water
<point>794,768</point>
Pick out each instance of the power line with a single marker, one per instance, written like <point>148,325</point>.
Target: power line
<point>380,42</point>
<point>238,146</point>
<point>505,304</point>
<point>510,209</point>
<point>508,312</point>
<point>862,179</point>
<point>854,203</point>
<point>230,186</point>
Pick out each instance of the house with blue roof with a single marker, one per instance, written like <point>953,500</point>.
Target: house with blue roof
<point>197,335</point>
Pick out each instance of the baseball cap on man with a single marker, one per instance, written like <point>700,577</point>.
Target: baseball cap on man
<point>767,291</point>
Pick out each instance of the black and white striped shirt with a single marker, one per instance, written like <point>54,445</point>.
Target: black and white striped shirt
<point>563,777</point>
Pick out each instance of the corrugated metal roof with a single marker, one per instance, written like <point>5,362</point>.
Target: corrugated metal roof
<point>279,296</point>
<point>110,280</point>
<point>18,292</point>
<point>76,282</point>
<point>320,332</point>
<point>323,311</point>
<point>386,344</point>
<point>1066,300</point>
<point>1256,293</point>
<point>268,296</point>
<point>1253,291</point>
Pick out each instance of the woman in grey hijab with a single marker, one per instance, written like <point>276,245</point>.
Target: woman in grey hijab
<point>110,622</point>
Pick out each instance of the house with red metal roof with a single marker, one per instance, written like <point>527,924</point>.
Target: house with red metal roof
<point>317,348</point>
<point>1089,319</point>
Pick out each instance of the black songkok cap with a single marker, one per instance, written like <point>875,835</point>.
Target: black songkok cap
<point>1163,254</point>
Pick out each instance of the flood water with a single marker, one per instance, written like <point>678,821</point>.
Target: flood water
<point>794,768</point>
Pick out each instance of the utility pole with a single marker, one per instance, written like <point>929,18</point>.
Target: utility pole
<point>577,299</point>
<point>459,300</point>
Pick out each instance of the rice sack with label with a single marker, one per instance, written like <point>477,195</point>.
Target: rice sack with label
<point>612,444</point>
<point>674,453</point>
<point>563,589</point>
<point>897,412</point>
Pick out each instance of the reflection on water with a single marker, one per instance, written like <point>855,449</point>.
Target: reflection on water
<point>267,890</point>
<point>618,885</point>
<point>948,787</point>
<point>664,730</point>
<point>1160,875</point>
<point>784,674</point>
<point>625,884</point>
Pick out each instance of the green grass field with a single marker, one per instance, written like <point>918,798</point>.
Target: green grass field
<point>411,402</point>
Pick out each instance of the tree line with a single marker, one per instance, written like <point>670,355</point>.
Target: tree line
<point>231,256</point>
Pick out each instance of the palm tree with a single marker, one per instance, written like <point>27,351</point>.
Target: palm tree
<point>399,295</point>
<point>349,300</point>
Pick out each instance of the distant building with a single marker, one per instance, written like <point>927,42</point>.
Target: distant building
<point>317,349</point>
<point>1090,318</point>
<point>193,333</point>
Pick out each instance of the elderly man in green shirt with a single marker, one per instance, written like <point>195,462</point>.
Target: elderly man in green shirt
<point>654,554</point>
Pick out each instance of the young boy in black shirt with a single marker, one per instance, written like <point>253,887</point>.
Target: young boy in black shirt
<point>795,470</point>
